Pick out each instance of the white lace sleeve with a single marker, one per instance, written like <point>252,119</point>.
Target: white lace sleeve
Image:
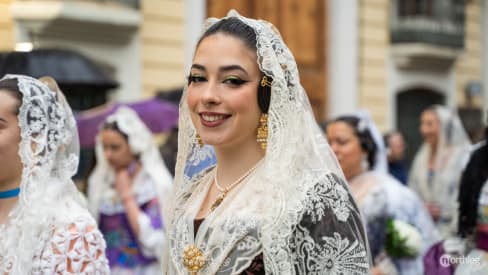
<point>330,238</point>
<point>78,249</point>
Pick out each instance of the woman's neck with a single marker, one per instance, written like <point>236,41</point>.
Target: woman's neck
<point>361,185</point>
<point>350,176</point>
<point>433,149</point>
<point>7,204</point>
<point>234,162</point>
<point>432,156</point>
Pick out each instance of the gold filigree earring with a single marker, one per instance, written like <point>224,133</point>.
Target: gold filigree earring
<point>199,140</point>
<point>262,137</point>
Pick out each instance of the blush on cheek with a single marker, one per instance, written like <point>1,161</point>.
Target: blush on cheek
<point>191,99</point>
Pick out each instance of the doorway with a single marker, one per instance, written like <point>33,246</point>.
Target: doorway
<point>410,104</point>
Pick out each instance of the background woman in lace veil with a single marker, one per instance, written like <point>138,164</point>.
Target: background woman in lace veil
<point>360,150</point>
<point>471,242</point>
<point>437,166</point>
<point>276,201</point>
<point>43,227</point>
<point>126,192</point>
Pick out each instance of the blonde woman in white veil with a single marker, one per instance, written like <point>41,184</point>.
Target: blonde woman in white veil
<point>438,164</point>
<point>43,227</point>
<point>127,193</point>
<point>276,201</point>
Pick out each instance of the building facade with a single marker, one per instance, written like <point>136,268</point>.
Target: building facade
<point>392,58</point>
<point>140,43</point>
<point>395,58</point>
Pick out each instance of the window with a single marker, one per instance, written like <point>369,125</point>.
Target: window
<point>415,8</point>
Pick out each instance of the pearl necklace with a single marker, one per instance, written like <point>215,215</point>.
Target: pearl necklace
<point>225,190</point>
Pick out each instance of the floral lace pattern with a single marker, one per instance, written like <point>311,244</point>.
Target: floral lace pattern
<point>337,255</point>
<point>320,243</point>
<point>325,196</point>
<point>323,246</point>
<point>78,249</point>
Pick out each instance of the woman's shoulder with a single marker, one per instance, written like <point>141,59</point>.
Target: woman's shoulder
<point>73,214</point>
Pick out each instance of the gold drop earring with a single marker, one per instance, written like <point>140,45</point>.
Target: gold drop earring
<point>199,140</point>
<point>262,136</point>
<point>264,91</point>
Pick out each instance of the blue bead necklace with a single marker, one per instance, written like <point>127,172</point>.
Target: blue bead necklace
<point>10,193</point>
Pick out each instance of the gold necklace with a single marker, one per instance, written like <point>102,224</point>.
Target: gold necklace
<point>225,190</point>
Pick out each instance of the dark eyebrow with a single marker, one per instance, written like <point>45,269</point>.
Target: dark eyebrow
<point>231,68</point>
<point>3,120</point>
<point>221,69</point>
<point>198,66</point>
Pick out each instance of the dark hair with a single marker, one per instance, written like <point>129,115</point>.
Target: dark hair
<point>11,86</point>
<point>388,135</point>
<point>115,127</point>
<point>474,176</point>
<point>364,135</point>
<point>235,27</point>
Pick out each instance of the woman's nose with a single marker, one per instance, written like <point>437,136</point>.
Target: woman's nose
<point>210,94</point>
<point>107,153</point>
<point>334,147</point>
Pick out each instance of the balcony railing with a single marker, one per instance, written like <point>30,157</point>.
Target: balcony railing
<point>438,22</point>
<point>129,3</point>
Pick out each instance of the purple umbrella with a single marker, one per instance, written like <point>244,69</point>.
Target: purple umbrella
<point>159,116</point>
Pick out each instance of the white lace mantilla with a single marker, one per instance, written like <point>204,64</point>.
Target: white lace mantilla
<point>48,231</point>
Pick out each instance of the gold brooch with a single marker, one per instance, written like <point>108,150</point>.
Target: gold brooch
<point>193,259</point>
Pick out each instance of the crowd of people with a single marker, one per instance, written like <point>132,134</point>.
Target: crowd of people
<point>257,185</point>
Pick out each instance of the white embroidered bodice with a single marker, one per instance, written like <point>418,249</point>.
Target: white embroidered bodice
<point>324,239</point>
<point>78,249</point>
<point>75,248</point>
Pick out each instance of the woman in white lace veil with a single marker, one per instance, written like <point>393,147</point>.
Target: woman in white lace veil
<point>379,195</point>
<point>276,202</point>
<point>43,229</point>
<point>470,244</point>
<point>437,167</point>
<point>127,191</point>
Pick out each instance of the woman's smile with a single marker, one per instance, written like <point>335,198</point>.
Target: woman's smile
<point>213,119</point>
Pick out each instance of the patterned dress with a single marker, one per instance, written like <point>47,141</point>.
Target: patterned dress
<point>128,253</point>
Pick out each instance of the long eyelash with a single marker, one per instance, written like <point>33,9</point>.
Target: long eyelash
<point>236,81</point>
<point>195,78</point>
